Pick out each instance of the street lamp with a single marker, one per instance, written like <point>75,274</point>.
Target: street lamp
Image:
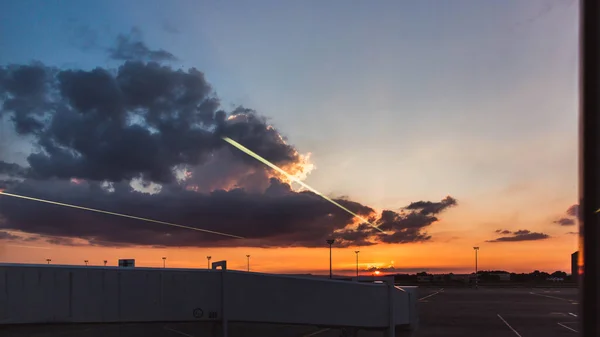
<point>105,263</point>
<point>86,262</point>
<point>208,258</point>
<point>330,242</point>
<point>248,257</point>
<point>164,262</point>
<point>476,276</point>
<point>357,251</point>
<point>48,260</point>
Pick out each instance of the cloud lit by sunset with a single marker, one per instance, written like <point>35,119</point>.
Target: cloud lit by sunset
<point>411,150</point>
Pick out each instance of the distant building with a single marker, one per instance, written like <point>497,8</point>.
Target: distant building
<point>574,266</point>
<point>127,263</point>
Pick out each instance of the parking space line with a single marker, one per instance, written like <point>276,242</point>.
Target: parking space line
<point>435,293</point>
<point>554,297</point>
<point>177,332</point>
<point>508,325</point>
<point>316,332</point>
<point>572,314</point>
<point>566,327</point>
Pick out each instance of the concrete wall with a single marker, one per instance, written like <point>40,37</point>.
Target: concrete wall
<point>43,294</point>
<point>47,293</point>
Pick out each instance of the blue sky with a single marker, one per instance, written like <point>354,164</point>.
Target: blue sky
<point>396,100</point>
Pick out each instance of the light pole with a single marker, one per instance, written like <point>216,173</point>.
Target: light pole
<point>248,257</point>
<point>208,258</point>
<point>86,262</point>
<point>330,242</point>
<point>48,260</point>
<point>105,263</point>
<point>357,251</point>
<point>476,276</point>
<point>164,262</point>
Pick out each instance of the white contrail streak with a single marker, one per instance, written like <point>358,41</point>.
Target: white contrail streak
<point>118,214</point>
<point>291,177</point>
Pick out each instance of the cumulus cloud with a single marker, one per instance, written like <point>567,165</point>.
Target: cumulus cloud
<point>503,231</point>
<point>146,140</point>
<point>521,235</point>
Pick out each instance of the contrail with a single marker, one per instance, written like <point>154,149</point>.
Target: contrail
<point>276,168</point>
<point>118,214</point>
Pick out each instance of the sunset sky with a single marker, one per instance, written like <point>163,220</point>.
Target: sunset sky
<point>457,120</point>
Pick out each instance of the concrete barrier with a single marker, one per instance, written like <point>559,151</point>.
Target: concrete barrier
<point>77,294</point>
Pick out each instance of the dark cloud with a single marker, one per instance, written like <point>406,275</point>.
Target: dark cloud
<point>503,231</point>
<point>571,215</point>
<point>573,210</point>
<point>278,217</point>
<point>565,222</point>
<point>572,233</point>
<point>145,140</point>
<point>130,47</point>
<point>140,121</point>
<point>12,169</point>
<point>428,207</point>
<point>24,93</point>
<point>521,235</point>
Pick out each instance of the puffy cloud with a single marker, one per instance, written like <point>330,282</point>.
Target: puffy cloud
<point>521,235</point>
<point>145,140</point>
<point>503,231</point>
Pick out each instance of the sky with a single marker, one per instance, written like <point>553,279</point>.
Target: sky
<point>448,125</point>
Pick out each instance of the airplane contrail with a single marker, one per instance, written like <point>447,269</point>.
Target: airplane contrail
<point>289,176</point>
<point>117,214</point>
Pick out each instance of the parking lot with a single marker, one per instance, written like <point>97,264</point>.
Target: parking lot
<point>497,312</point>
<point>493,312</point>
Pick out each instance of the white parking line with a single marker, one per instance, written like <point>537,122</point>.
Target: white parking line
<point>316,332</point>
<point>177,332</point>
<point>435,293</point>
<point>566,327</point>
<point>554,297</point>
<point>572,314</point>
<point>508,325</point>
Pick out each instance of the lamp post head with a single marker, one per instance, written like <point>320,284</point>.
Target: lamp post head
<point>164,258</point>
<point>476,248</point>
<point>330,241</point>
<point>247,255</point>
<point>208,257</point>
<point>357,251</point>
